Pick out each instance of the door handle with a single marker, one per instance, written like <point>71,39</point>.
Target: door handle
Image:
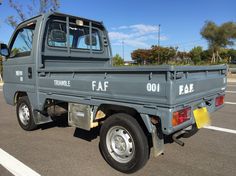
<point>30,72</point>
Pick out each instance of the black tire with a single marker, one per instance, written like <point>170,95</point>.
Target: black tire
<point>29,124</point>
<point>140,147</point>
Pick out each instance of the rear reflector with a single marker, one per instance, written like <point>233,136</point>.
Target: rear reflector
<point>181,116</point>
<point>219,100</point>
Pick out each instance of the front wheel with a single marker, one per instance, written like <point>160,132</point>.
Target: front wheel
<point>24,114</point>
<point>123,143</point>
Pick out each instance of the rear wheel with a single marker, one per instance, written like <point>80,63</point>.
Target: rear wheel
<point>24,114</point>
<point>123,143</point>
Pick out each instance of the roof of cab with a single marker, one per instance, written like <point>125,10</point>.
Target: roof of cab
<point>59,14</point>
<point>86,19</point>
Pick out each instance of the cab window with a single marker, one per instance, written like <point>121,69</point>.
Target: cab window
<point>22,42</point>
<point>57,34</point>
<point>79,36</point>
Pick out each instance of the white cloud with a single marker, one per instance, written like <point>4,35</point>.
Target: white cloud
<point>138,35</point>
<point>163,38</point>
<point>118,36</point>
<point>131,42</point>
<point>147,37</point>
<point>144,29</point>
<point>140,28</point>
<point>123,27</point>
<point>136,43</point>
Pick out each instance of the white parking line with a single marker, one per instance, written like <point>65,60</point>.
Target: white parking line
<point>231,103</point>
<point>16,167</point>
<point>221,129</point>
<point>231,92</point>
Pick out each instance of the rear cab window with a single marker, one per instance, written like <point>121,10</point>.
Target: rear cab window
<point>60,40</point>
<point>79,36</point>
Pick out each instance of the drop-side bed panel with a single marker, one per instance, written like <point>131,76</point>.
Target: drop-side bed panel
<point>163,86</point>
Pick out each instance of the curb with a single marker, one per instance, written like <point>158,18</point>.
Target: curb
<point>231,80</point>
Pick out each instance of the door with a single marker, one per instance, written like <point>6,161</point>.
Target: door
<point>19,68</point>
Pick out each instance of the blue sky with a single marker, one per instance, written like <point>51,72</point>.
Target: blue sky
<point>136,22</point>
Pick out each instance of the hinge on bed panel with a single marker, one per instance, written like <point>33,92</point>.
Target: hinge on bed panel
<point>177,75</point>
<point>150,76</point>
<point>42,74</point>
<point>150,106</point>
<point>105,75</point>
<point>223,72</point>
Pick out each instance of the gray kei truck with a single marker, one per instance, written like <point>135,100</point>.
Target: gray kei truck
<point>59,64</point>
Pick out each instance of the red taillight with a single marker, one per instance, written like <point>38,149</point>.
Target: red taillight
<point>181,116</point>
<point>219,100</point>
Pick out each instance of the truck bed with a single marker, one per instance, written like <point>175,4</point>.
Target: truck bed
<point>163,86</point>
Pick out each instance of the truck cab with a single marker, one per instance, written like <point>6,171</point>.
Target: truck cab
<point>38,43</point>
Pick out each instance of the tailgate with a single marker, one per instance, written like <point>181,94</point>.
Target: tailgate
<point>193,83</point>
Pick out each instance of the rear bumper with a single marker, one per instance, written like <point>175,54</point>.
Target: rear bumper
<point>166,117</point>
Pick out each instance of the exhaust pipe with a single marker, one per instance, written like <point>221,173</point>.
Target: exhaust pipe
<point>176,135</point>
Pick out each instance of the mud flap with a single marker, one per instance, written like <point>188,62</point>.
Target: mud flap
<point>39,118</point>
<point>158,142</point>
<point>157,135</point>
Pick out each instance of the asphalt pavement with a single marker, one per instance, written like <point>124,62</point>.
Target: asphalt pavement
<point>55,149</point>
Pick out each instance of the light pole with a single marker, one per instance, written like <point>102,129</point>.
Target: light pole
<point>159,34</point>
<point>123,50</point>
<point>159,37</point>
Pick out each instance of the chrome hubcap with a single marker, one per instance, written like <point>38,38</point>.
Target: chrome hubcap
<point>24,114</point>
<point>120,144</point>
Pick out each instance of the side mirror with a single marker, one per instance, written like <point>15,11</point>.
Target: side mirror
<point>4,51</point>
<point>58,36</point>
<point>87,40</point>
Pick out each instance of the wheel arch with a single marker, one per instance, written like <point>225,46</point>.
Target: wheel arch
<point>110,109</point>
<point>18,95</point>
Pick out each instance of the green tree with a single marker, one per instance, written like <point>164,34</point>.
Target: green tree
<point>142,56</point>
<point>182,57</point>
<point>206,56</point>
<point>25,11</point>
<point>163,54</point>
<point>155,55</point>
<point>219,37</point>
<point>232,54</point>
<point>117,60</point>
<point>195,54</point>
